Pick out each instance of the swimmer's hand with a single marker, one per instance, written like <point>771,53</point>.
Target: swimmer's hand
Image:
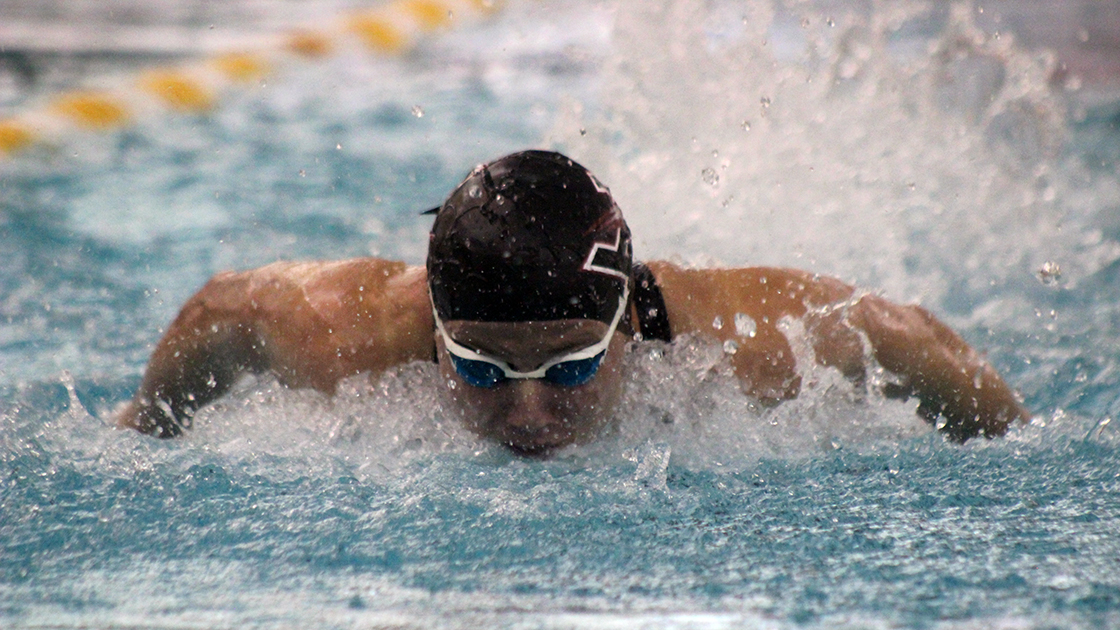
<point>148,418</point>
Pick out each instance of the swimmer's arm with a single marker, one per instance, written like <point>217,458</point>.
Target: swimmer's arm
<point>932,362</point>
<point>951,379</point>
<point>309,324</point>
<point>209,344</point>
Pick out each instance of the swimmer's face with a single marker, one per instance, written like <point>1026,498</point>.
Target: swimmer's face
<point>534,415</point>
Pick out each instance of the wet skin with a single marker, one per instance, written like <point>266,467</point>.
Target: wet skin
<point>533,416</point>
<point>315,324</point>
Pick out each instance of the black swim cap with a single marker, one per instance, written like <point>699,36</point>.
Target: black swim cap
<point>532,236</point>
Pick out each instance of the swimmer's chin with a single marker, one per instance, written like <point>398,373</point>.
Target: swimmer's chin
<point>540,448</point>
<point>533,451</point>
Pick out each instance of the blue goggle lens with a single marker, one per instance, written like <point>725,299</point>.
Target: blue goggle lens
<point>477,373</point>
<point>573,373</point>
<point>566,373</point>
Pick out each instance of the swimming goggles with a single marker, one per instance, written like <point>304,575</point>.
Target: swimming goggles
<point>569,370</point>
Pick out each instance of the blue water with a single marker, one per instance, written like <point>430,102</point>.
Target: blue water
<point>699,510</point>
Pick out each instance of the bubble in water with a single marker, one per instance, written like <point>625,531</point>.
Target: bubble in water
<point>730,346</point>
<point>710,177</point>
<point>745,325</point>
<point>717,323</point>
<point>1050,272</point>
<point>417,111</point>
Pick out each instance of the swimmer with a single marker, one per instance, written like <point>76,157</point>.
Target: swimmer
<point>528,299</point>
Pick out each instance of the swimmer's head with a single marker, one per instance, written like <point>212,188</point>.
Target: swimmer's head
<point>532,236</point>
<point>529,270</point>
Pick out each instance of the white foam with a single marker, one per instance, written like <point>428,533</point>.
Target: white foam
<point>841,142</point>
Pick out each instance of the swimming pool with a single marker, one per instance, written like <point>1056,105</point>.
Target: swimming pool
<point>894,148</point>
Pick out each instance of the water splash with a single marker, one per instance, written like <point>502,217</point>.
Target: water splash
<point>898,146</point>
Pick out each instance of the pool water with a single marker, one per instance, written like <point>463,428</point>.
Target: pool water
<point>899,148</point>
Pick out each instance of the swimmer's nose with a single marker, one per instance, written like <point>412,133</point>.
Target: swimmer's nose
<point>529,409</point>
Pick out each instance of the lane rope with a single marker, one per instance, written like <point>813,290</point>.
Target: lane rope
<point>196,87</point>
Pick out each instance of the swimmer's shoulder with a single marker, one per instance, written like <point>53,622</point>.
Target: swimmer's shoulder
<point>354,273</point>
<point>348,296</point>
<point>324,320</point>
<point>320,282</point>
<point>694,297</point>
<point>349,293</point>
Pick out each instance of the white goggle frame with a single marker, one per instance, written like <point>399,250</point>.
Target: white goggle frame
<point>464,352</point>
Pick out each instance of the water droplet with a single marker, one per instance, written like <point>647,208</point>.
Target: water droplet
<point>745,125</point>
<point>764,101</point>
<point>831,22</point>
<point>338,147</point>
<point>710,177</point>
<point>1050,272</point>
<point>730,346</point>
<point>582,131</point>
<point>1064,582</point>
<point>474,192</point>
<point>302,173</point>
<point>417,111</point>
<point>717,323</point>
<point>745,326</point>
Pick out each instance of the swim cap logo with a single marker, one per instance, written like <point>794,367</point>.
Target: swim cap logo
<point>604,258</point>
